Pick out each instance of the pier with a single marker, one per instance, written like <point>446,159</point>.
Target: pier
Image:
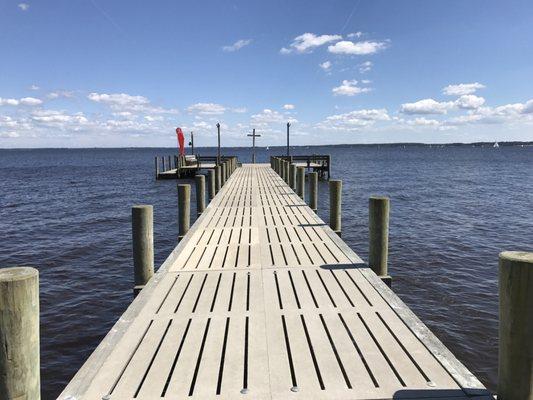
<point>177,167</point>
<point>263,300</point>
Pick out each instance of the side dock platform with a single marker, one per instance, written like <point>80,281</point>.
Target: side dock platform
<point>262,300</point>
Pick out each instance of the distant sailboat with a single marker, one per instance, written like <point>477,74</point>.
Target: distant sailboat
<point>496,145</point>
<point>268,148</point>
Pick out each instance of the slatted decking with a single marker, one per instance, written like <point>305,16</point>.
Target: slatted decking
<point>262,300</point>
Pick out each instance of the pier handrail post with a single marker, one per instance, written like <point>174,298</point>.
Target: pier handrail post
<point>184,210</point>
<point>292,176</point>
<point>142,235</point>
<point>378,236</point>
<point>287,172</point>
<point>335,205</point>
<point>163,162</point>
<point>200,194</point>
<point>211,184</point>
<point>222,174</point>
<point>313,190</point>
<point>300,182</point>
<point>515,375</point>
<point>19,334</point>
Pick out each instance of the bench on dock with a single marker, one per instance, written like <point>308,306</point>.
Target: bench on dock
<point>262,300</point>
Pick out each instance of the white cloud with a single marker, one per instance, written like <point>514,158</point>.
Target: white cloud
<point>8,102</point>
<point>365,67</point>
<point>326,65</point>
<point>118,99</point>
<point>207,109</point>
<point>268,116</point>
<point>462,89</point>
<point>427,106</point>
<point>58,119</point>
<point>528,107</point>
<point>34,87</point>
<point>239,44</point>
<point>58,94</point>
<point>288,107</point>
<point>423,122</point>
<point>349,88</point>
<point>30,101</point>
<point>355,35</point>
<point>357,48</point>
<point>239,110</point>
<point>309,41</point>
<point>469,102</point>
<point>24,6</point>
<point>25,101</point>
<point>126,102</point>
<point>354,120</point>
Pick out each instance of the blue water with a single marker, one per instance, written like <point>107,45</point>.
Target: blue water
<point>67,212</point>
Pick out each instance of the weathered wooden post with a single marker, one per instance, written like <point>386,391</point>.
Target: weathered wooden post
<point>515,375</point>
<point>200,194</point>
<point>184,210</point>
<point>292,176</point>
<point>19,334</point>
<point>335,205</point>
<point>313,190</point>
<point>211,190</point>
<point>156,168</point>
<point>378,236</point>
<point>169,163</point>
<point>218,178</point>
<point>142,235</point>
<point>287,168</point>
<point>223,174</point>
<point>300,182</point>
<point>163,162</point>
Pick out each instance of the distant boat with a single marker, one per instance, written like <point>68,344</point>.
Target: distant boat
<point>268,148</point>
<point>496,145</point>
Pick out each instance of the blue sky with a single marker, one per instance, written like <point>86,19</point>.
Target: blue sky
<point>90,73</point>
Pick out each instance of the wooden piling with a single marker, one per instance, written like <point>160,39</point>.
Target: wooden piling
<point>378,236</point>
<point>19,334</point>
<point>142,235</point>
<point>300,182</point>
<point>200,194</point>
<point>156,168</point>
<point>184,210</point>
<point>313,190</point>
<point>218,178</point>
<point>286,167</point>
<point>222,174</point>
<point>292,176</point>
<point>515,375</point>
<point>211,191</point>
<point>163,162</point>
<point>335,205</point>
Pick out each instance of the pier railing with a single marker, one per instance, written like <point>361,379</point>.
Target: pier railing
<point>320,163</point>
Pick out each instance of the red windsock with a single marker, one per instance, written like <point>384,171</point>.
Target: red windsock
<point>181,141</point>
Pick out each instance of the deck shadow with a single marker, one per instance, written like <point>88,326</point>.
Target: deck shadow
<point>442,394</point>
<point>344,266</point>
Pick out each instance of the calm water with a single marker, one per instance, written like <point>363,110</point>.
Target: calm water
<point>67,212</point>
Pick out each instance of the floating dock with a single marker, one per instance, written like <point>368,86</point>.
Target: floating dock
<point>262,300</point>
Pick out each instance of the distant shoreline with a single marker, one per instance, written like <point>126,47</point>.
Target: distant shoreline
<point>401,144</point>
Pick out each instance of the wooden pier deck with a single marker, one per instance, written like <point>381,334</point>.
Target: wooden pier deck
<point>262,300</point>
